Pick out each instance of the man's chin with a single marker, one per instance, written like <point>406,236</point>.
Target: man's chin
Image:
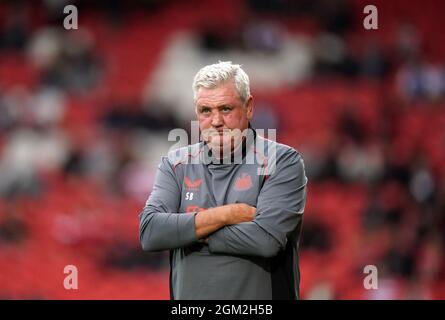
<point>219,141</point>
<point>221,145</point>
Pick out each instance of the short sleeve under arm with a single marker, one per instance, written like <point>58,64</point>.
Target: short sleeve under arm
<point>161,227</point>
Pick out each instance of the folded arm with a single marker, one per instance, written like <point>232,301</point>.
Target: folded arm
<point>280,209</point>
<point>162,227</point>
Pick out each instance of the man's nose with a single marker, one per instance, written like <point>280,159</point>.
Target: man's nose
<point>217,119</point>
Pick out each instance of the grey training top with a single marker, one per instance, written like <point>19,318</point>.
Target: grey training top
<point>251,260</point>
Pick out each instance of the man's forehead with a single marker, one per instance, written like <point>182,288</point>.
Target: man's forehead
<point>218,95</point>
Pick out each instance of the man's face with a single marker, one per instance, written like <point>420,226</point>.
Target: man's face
<point>220,113</point>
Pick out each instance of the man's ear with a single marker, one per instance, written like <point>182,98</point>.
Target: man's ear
<point>249,108</point>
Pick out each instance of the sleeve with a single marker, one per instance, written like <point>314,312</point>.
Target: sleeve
<point>280,209</point>
<point>161,227</point>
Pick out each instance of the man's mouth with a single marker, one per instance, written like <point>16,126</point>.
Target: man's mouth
<point>214,132</point>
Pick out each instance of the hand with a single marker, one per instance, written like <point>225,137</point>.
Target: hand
<point>239,212</point>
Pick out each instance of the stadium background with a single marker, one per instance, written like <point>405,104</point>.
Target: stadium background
<point>85,114</point>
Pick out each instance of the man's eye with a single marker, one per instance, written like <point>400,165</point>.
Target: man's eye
<point>226,109</point>
<point>205,111</point>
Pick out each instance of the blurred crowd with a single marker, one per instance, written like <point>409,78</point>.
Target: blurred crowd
<point>65,126</point>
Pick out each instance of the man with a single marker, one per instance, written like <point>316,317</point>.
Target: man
<point>232,227</point>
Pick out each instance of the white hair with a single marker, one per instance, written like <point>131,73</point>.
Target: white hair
<point>215,74</point>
